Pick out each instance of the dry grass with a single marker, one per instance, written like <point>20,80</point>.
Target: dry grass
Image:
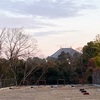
<point>47,93</point>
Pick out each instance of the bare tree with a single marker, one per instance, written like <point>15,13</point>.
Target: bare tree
<point>30,67</point>
<point>17,45</point>
<point>2,61</point>
<point>1,39</point>
<point>97,38</point>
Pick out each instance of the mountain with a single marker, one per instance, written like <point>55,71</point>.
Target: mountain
<point>66,50</point>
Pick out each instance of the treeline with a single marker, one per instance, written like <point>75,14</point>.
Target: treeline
<point>17,61</point>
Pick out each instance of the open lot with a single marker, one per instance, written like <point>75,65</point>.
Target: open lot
<point>50,93</point>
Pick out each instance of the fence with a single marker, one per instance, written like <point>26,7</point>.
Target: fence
<point>7,82</point>
<point>35,81</point>
<point>46,81</point>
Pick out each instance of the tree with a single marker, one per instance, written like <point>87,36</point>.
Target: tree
<point>97,61</point>
<point>1,40</point>
<point>4,69</point>
<point>92,49</point>
<point>17,45</point>
<point>97,38</point>
<point>64,56</point>
<point>90,58</point>
<point>31,66</point>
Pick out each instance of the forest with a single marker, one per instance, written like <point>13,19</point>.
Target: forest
<point>20,66</point>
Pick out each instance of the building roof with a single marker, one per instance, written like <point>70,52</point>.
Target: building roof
<point>66,50</point>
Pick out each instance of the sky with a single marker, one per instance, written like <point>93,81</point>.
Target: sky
<point>53,23</point>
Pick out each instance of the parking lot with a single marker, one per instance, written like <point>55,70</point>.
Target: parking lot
<point>50,93</point>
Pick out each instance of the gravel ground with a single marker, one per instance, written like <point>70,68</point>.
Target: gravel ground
<point>50,93</point>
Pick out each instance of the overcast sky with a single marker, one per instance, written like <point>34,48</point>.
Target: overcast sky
<point>54,23</point>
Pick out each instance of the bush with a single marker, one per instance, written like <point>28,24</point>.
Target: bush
<point>89,79</point>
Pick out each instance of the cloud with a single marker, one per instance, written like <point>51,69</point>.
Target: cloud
<point>23,21</point>
<point>45,8</point>
<point>52,32</point>
<point>29,13</point>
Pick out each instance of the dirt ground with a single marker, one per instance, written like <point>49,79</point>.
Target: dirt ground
<point>50,93</point>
